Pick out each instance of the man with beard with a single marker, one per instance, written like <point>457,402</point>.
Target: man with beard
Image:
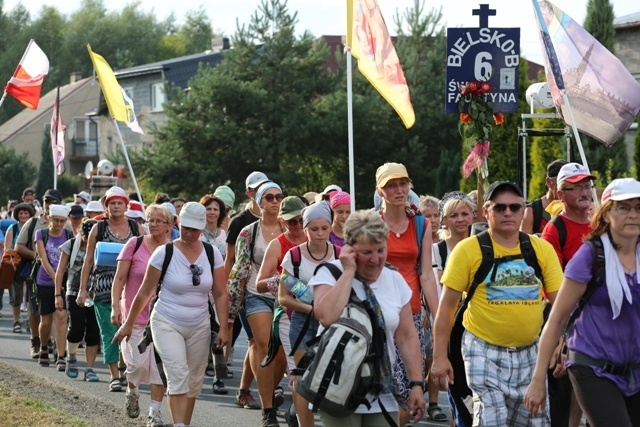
<point>565,232</point>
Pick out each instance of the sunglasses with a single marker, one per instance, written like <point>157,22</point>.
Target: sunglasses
<point>295,221</point>
<point>501,207</point>
<point>271,197</point>
<point>196,272</point>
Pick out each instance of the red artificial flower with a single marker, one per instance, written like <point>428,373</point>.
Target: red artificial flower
<point>466,118</point>
<point>498,118</point>
<point>464,89</point>
<point>473,87</point>
<point>485,87</point>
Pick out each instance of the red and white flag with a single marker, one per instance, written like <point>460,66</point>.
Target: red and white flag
<point>27,80</point>
<point>57,137</point>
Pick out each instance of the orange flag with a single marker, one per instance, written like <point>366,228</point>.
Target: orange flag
<point>370,43</point>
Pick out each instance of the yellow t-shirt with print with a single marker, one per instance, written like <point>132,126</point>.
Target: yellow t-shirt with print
<point>506,309</point>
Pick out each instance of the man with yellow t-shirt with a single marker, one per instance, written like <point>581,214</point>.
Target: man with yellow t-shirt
<point>504,316</point>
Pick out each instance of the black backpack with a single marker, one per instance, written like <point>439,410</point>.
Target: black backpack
<point>102,227</point>
<point>459,390</point>
<point>538,214</point>
<point>340,366</point>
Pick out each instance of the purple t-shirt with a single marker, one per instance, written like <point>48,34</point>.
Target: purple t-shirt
<point>596,334</point>
<point>53,254</point>
<point>136,273</point>
<point>334,239</point>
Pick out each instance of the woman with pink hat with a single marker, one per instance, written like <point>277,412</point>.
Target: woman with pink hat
<point>116,228</point>
<point>340,203</point>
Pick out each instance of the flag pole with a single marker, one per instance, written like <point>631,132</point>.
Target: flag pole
<point>4,95</point>
<point>126,156</point>
<point>352,187</point>
<point>583,157</point>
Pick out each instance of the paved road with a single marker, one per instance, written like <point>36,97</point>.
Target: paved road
<point>210,409</point>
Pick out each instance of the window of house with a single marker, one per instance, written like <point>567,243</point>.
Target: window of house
<point>158,96</point>
<point>129,91</point>
<point>85,137</point>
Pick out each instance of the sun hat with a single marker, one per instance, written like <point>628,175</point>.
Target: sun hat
<point>319,210</point>
<point>310,196</point>
<point>172,209</point>
<point>76,211</point>
<point>84,196</point>
<point>95,206</point>
<point>291,207</point>
<point>135,210</point>
<point>23,207</point>
<point>573,172</point>
<point>115,192</point>
<point>193,215</point>
<point>53,194</point>
<point>59,210</point>
<point>497,185</point>
<point>226,194</point>
<point>29,192</point>
<point>621,189</point>
<point>263,189</point>
<point>390,171</point>
<point>255,179</point>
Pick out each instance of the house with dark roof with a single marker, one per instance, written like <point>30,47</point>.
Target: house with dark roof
<point>627,45</point>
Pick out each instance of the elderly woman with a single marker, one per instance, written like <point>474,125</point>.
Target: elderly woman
<point>429,207</point>
<point>180,318</point>
<point>603,359</point>
<point>340,203</point>
<point>132,264</point>
<point>404,253</point>
<point>362,260</point>
<point>316,220</point>
<point>82,320</point>
<point>213,232</point>
<point>116,228</point>
<point>251,248</point>
<point>48,242</point>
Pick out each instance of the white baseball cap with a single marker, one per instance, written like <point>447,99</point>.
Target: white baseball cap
<point>622,189</point>
<point>255,179</point>
<point>193,215</point>
<point>573,172</point>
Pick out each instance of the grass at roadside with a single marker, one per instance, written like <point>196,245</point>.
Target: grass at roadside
<point>18,411</point>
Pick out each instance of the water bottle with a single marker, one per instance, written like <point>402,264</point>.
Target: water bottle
<point>298,288</point>
<point>88,302</point>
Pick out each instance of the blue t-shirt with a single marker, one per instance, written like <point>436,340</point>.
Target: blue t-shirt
<point>596,334</point>
<point>52,249</point>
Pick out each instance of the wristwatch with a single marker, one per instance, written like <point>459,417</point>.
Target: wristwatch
<point>420,384</point>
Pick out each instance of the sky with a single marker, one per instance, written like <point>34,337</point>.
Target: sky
<point>328,17</point>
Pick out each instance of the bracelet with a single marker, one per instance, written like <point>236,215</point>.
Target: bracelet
<point>58,295</point>
<point>420,384</point>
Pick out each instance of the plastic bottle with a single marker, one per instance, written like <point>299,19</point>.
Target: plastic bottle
<point>88,302</point>
<point>298,288</point>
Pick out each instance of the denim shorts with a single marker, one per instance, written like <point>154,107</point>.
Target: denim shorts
<point>298,320</point>
<point>254,304</point>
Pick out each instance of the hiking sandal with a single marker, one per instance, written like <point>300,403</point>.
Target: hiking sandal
<point>61,364</point>
<point>435,413</point>
<point>17,329</point>
<point>72,367</point>
<point>43,358</point>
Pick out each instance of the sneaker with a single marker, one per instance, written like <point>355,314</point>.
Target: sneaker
<point>72,367</point>
<point>219,388</point>
<point>90,376</point>
<point>35,347</point>
<point>269,418</point>
<point>245,400</point>
<point>278,397</point>
<point>155,420</point>
<point>133,408</point>
<point>23,308</point>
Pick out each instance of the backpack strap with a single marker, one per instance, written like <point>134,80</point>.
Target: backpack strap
<point>102,226</point>
<point>68,234</point>
<point>336,251</point>
<point>168,253</point>
<point>444,252</point>
<point>538,214</point>
<point>561,227</point>
<point>252,242</point>
<point>296,259</point>
<point>133,225</point>
<point>30,231</point>
<point>488,261</point>
<point>529,254</point>
<point>419,221</point>
<point>138,244</point>
<point>208,249</point>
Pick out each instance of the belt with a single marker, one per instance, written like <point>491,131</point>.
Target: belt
<point>606,366</point>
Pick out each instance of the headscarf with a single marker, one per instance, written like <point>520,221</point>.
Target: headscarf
<point>263,189</point>
<point>338,198</point>
<point>319,210</point>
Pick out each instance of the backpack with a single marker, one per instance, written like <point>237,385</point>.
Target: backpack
<point>102,227</point>
<point>444,252</point>
<point>459,390</point>
<point>561,227</point>
<point>538,214</point>
<point>37,262</point>
<point>340,366</point>
<point>26,265</point>
<point>9,268</point>
<point>419,221</point>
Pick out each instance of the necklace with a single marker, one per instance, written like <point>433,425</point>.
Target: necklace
<point>392,228</point>
<point>326,252</point>
<point>273,229</point>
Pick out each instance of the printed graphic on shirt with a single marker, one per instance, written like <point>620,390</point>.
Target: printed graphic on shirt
<point>513,280</point>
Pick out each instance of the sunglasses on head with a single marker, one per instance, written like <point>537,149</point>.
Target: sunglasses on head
<point>196,272</point>
<point>502,207</point>
<point>271,197</point>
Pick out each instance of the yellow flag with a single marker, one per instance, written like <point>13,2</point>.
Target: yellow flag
<point>120,107</point>
<point>370,43</point>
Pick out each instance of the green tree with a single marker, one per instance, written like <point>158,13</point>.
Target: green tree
<point>544,150</point>
<point>606,161</point>
<point>193,37</point>
<point>16,173</point>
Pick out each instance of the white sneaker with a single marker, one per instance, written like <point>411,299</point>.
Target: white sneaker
<point>155,420</point>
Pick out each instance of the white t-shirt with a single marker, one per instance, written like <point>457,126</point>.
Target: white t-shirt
<point>179,300</point>
<point>392,293</point>
<point>307,267</point>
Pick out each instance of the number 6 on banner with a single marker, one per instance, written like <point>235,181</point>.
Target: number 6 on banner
<point>483,69</point>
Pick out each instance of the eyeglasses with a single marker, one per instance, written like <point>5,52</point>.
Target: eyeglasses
<point>156,221</point>
<point>623,209</point>
<point>58,220</point>
<point>580,188</point>
<point>294,221</point>
<point>270,197</point>
<point>501,207</point>
<point>196,272</point>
